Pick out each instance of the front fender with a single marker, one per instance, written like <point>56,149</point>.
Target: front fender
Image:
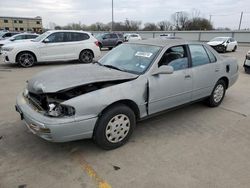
<point>93,103</point>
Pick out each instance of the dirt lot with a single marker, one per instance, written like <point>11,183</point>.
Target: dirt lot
<point>193,147</point>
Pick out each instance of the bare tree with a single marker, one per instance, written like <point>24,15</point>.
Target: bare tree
<point>164,25</point>
<point>180,19</point>
<point>195,13</point>
<point>131,25</point>
<point>150,27</point>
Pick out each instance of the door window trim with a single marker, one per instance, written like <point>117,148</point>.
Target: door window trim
<point>190,55</point>
<point>186,50</point>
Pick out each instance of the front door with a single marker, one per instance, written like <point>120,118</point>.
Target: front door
<point>54,49</point>
<point>169,90</point>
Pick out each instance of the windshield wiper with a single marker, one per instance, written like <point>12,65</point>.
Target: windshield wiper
<point>97,62</point>
<point>113,67</point>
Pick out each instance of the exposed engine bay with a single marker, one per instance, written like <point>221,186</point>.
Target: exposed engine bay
<point>49,103</point>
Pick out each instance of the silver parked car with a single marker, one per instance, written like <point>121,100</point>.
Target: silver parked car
<point>104,100</point>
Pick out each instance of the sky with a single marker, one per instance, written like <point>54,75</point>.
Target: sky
<point>225,13</point>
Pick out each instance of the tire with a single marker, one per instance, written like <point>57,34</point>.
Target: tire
<point>110,48</point>
<point>114,127</point>
<point>217,95</point>
<point>224,49</point>
<point>118,43</point>
<point>235,48</point>
<point>26,59</point>
<point>86,56</point>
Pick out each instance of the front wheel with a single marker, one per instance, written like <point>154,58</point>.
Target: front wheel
<point>26,59</point>
<point>86,56</point>
<point>217,95</point>
<point>114,127</point>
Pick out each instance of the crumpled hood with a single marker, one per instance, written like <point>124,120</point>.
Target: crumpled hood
<point>215,43</point>
<point>67,77</point>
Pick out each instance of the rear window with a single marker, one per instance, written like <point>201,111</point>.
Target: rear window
<point>79,36</point>
<point>120,35</point>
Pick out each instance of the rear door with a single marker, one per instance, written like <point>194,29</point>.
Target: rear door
<point>169,90</point>
<point>106,42</point>
<point>205,70</point>
<point>113,39</point>
<point>74,44</point>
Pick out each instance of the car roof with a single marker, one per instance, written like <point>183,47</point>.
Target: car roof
<point>161,42</point>
<point>70,31</point>
<point>223,37</point>
<point>20,34</point>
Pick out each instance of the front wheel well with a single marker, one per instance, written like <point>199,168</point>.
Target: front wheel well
<point>131,104</point>
<point>26,51</point>
<point>225,79</point>
<point>87,50</point>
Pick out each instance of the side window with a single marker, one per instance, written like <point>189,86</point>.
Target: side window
<point>176,57</point>
<point>107,36</point>
<point>113,36</point>
<point>7,35</point>
<point>211,56</point>
<point>30,36</point>
<point>199,55</point>
<point>82,36</point>
<point>56,37</point>
<point>20,37</point>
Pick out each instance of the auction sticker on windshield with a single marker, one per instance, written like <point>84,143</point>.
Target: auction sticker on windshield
<point>144,54</point>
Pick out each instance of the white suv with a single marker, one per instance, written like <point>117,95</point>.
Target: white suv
<point>58,45</point>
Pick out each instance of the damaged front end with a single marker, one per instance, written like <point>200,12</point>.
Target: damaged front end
<point>51,104</point>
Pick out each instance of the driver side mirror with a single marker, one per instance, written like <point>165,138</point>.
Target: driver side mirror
<point>104,38</point>
<point>12,39</point>
<point>46,40</point>
<point>164,69</point>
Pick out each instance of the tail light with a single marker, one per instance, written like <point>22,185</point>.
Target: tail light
<point>97,43</point>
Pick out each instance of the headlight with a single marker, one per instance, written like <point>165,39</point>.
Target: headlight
<point>7,49</point>
<point>58,110</point>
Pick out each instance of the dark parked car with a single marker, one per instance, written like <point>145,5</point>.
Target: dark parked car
<point>110,40</point>
<point>8,34</point>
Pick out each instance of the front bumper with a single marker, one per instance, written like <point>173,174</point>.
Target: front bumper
<point>8,57</point>
<point>54,129</point>
<point>219,48</point>
<point>247,64</point>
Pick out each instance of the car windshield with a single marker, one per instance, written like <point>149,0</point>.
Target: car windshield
<point>220,39</point>
<point>41,37</point>
<point>2,33</point>
<point>133,58</point>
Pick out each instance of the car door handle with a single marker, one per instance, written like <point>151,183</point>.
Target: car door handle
<point>188,76</point>
<point>217,70</point>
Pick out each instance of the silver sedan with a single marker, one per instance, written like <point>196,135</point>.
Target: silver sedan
<point>136,80</point>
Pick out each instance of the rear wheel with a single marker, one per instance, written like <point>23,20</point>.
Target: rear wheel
<point>118,43</point>
<point>114,127</point>
<point>86,56</point>
<point>217,95</point>
<point>26,59</point>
